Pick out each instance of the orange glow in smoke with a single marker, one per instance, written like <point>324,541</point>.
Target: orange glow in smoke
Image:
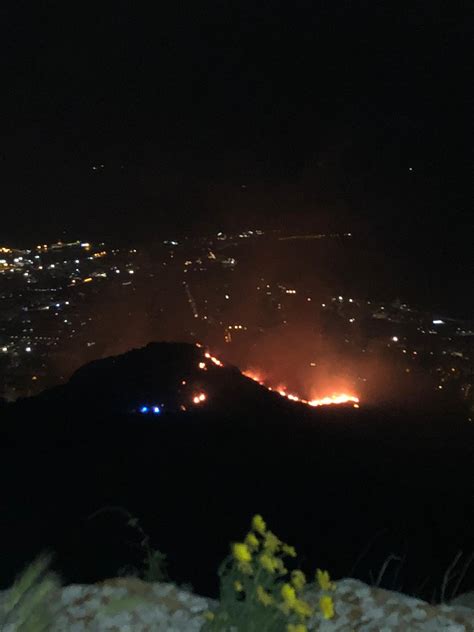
<point>256,377</point>
<point>335,398</point>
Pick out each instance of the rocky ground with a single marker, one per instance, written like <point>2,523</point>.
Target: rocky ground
<point>130,605</point>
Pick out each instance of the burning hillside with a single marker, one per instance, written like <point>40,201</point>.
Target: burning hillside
<point>334,398</point>
<point>327,400</point>
<point>169,378</point>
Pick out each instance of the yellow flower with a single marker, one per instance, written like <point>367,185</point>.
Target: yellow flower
<point>298,579</point>
<point>302,608</point>
<point>296,627</point>
<point>263,596</point>
<point>289,595</point>
<point>238,586</point>
<point>271,542</point>
<point>268,562</point>
<point>209,615</point>
<point>241,552</point>
<point>289,550</point>
<point>258,524</point>
<point>279,566</point>
<point>326,605</point>
<point>324,580</point>
<point>252,542</point>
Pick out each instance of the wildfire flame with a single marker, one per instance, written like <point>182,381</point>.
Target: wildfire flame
<point>199,398</point>
<point>341,398</point>
<point>335,398</point>
<point>213,359</point>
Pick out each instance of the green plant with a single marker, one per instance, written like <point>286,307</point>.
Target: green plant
<point>452,574</point>
<point>258,593</point>
<point>154,561</point>
<point>28,604</point>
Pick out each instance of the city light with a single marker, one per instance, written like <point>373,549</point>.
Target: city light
<point>48,275</point>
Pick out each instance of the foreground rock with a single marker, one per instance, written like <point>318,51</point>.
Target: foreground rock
<point>363,608</point>
<point>130,605</point>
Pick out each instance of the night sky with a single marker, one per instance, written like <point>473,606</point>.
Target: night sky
<point>349,115</point>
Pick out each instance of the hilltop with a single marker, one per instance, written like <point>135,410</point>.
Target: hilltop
<point>166,374</point>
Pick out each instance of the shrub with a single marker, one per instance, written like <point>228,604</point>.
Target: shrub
<point>154,562</point>
<point>258,593</point>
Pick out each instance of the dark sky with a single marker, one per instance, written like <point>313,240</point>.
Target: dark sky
<point>331,113</point>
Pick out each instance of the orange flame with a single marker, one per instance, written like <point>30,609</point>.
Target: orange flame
<point>256,376</point>
<point>335,398</point>
<point>199,398</point>
<point>213,359</point>
<point>341,398</point>
<point>253,375</point>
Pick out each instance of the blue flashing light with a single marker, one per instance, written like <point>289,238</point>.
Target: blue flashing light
<point>156,410</point>
<point>144,409</point>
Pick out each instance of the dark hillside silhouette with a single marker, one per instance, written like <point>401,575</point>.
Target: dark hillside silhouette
<point>331,481</point>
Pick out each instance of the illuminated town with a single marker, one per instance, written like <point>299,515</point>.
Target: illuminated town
<point>86,300</point>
